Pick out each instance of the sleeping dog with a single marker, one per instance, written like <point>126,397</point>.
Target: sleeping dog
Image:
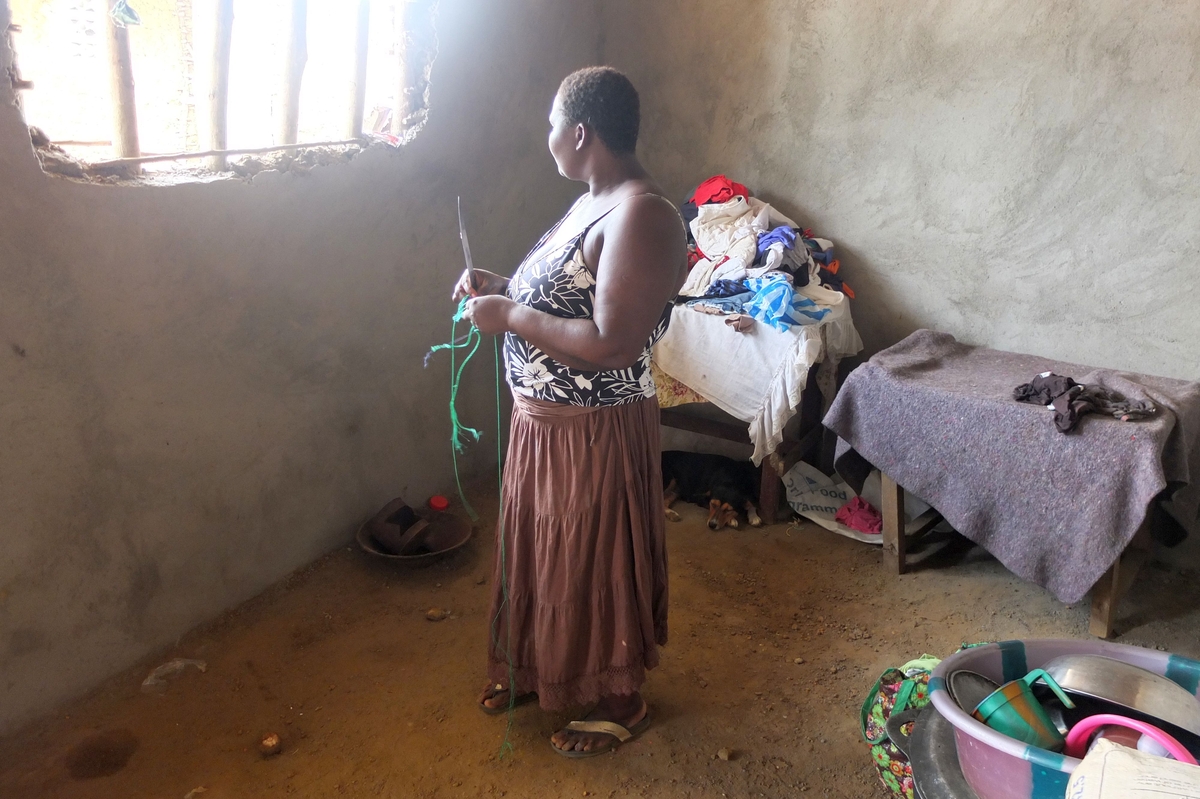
<point>723,485</point>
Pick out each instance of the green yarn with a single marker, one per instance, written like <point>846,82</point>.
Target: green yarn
<point>460,436</point>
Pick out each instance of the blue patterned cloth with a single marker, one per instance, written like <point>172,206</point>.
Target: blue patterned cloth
<point>776,303</point>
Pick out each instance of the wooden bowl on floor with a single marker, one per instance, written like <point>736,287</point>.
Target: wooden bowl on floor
<point>446,534</point>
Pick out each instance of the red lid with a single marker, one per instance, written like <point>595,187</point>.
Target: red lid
<point>438,502</point>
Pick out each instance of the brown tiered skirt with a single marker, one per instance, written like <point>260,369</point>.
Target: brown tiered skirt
<point>583,529</point>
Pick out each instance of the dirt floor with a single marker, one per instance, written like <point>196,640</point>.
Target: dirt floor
<point>776,636</point>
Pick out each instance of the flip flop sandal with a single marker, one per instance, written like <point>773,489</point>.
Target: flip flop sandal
<point>523,699</point>
<point>620,735</point>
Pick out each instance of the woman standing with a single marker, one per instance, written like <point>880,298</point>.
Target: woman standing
<point>582,517</point>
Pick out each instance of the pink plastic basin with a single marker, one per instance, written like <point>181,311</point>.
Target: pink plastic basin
<point>999,767</point>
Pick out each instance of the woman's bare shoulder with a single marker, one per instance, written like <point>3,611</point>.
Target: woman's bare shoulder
<point>647,214</point>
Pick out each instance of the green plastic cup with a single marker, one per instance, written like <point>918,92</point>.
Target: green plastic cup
<point>1013,710</point>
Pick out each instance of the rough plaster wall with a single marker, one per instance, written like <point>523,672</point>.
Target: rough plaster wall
<point>1022,175</point>
<point>204,387</point>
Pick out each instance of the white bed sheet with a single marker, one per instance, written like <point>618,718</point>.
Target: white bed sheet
<point>757,376</point>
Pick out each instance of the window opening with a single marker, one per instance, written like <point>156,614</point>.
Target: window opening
<point>116,89</point>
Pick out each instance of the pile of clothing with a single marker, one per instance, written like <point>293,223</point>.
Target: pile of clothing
<point>747,259</point>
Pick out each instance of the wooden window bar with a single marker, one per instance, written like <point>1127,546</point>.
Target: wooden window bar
<point>358,88</point>
<point>218,93</point>
<point>297,57</point>
<point>120,75</point>
<point>405,51</point>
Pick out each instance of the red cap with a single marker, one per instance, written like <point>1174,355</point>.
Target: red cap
<point>438,502</point>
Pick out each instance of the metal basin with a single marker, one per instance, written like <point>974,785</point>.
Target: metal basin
<point>969,689</point>
<point>936,773</point>
<point>1127,685</point>
<point>447,533</point>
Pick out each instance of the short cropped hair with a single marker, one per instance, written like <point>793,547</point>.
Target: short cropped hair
<point>603,99</point>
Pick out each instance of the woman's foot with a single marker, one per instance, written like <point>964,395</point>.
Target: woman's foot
<point>627,711</point>
<point>495,699</point>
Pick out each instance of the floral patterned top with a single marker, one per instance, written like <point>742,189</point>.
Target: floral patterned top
<point>558,282</point>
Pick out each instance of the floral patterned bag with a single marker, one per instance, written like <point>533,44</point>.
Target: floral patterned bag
<point>896,690</point>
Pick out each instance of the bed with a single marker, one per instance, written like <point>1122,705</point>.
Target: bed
<point>1068,511</point>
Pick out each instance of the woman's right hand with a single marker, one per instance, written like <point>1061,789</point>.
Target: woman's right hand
<point>486,283</point>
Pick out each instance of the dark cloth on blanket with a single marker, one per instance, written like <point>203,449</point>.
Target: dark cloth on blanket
<point>1071,407</point>
<point>584,551</point>
<point>1043,389</point>
<point>1072,401</point>
<point>938,417</point>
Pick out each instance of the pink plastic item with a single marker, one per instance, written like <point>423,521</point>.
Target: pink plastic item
<point>1077,738</point>
<point>438,502</point>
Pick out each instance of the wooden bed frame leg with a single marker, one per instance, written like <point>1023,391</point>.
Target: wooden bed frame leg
<point>1104,602</point>
<point>828,450</point>
<point>1117,581</point>
<point>894,543</point>
<point>769,490</point>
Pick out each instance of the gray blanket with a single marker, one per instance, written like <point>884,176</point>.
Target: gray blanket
<point>1056,509</point>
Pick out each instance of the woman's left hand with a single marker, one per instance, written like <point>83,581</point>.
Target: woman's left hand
<point>489,314</point>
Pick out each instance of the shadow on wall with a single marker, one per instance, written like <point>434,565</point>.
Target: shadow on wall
<point>887,322</point>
